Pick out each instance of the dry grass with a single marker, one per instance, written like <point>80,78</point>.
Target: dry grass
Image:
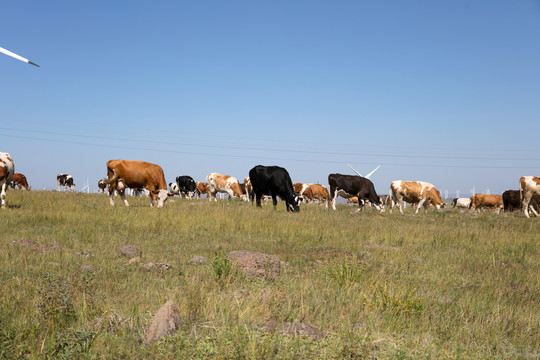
<point>391,286</point>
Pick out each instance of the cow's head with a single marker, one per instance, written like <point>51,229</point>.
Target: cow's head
<point>294,206</point>
<point>162,196</point>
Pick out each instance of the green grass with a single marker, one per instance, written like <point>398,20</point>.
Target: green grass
<point>446,285</point>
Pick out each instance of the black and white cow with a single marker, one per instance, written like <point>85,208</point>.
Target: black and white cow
<point>186,186</point>
<point>65,180</point>
<point>274,181</point>
<point>102,185</point>
<point>348,186</point>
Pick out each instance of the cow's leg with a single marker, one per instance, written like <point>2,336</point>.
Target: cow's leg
<point>420,204</point>
<point>531,208</point>
<point>525,203</point>
<point>122,194</point>
<point>3,195</point>
<point>274,200</point>
<point>334,193</point>
<point>111,194</point>
<point>258,199</point>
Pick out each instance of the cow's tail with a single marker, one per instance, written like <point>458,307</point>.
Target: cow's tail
<point>114,178</point>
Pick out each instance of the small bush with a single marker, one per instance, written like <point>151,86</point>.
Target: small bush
<point>222,268</point>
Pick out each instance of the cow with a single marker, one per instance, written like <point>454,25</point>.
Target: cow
<point>186,186</point>
<point>224,184</point>
<point>461,203</point>
<point>20,181</point>
<point>303,190</point>
<point>202,188</point>
<point>487,201</point>
<point>275,181</point>
<point>65,180</point>
<point>414,192</point>
<point>7,169</point>
<point>102,185</point>
<point>512,201</point>
<point>249,188</point>
<point>173,188</point>
<point>529,189</point>
<point>311,192</point>
<point>348,186</point>
<point>134,174</point>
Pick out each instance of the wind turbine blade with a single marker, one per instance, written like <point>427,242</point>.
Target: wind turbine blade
<point>18,57</point>
<point>354,170</point>
<point>371,173</point>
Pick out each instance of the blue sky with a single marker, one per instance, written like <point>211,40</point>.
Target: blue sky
<point>440,91</point>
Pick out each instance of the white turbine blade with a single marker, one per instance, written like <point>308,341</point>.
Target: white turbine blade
<point>371,173</point>
<point>354,170</point>
<point>13,55</point>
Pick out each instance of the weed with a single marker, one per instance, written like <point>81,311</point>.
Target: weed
<point>55,303</point>
<point>344,272</point>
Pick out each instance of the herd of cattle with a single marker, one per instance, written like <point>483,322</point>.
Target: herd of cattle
<point>273,181</point>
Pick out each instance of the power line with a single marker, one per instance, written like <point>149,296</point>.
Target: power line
<point>259,158</point>
<point>320,152</point>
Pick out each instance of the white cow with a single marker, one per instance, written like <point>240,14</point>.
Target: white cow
<point>529,188</point>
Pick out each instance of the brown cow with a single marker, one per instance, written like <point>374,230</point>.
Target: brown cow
<point>414,192</point>
<point>202,188</point>
<point>224,184</point>
<point>20,181</point>
<point>529,189</point>
<point>134,174</point>
<point>7,168</point>
<point>487,201</point>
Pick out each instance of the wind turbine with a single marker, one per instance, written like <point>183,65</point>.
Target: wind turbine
<point>15,56</point>
<point>368,175</point>
<point>473,190</point>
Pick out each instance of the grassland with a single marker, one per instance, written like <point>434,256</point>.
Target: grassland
<point>445,285</point>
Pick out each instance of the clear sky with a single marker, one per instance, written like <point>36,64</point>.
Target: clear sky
<point>441,91</point>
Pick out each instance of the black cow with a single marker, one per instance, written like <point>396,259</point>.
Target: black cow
<point>274,181</point>
<point>65,180</point>
<point>186,186</point>
<point>348,186</point>
<point>512,201</point>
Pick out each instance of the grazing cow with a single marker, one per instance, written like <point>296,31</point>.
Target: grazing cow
<point>529,189</point>
<point>134,174</point>
<point>461,203</point>
<point>274,180</point>
<point>173,188</point>
<point>186,186</point>
<point>102,185</point>
<point>487,201</point>
<point>512,202</point>
<point>414,192</point>
<point>202,188</point>
<point>20,181</point>
<point>65,180</point>
<point>7,169</point>
<point>348,186</point>
<point>311,192</point>
<point>224,184</point>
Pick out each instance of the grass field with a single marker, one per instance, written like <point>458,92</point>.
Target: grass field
<point>438,285</point>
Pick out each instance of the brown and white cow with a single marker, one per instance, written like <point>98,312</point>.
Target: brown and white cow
<point>202,188</point>
<point>303,190</point>
<point>134,174</point>
<point>487,201</point>
<point>249,188</point>
<point>20,181</point>
<point>7,169</point>
<point>529,188</point>
<point>414,192</point>
<point>311,192</point>
<point>224,184</point>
